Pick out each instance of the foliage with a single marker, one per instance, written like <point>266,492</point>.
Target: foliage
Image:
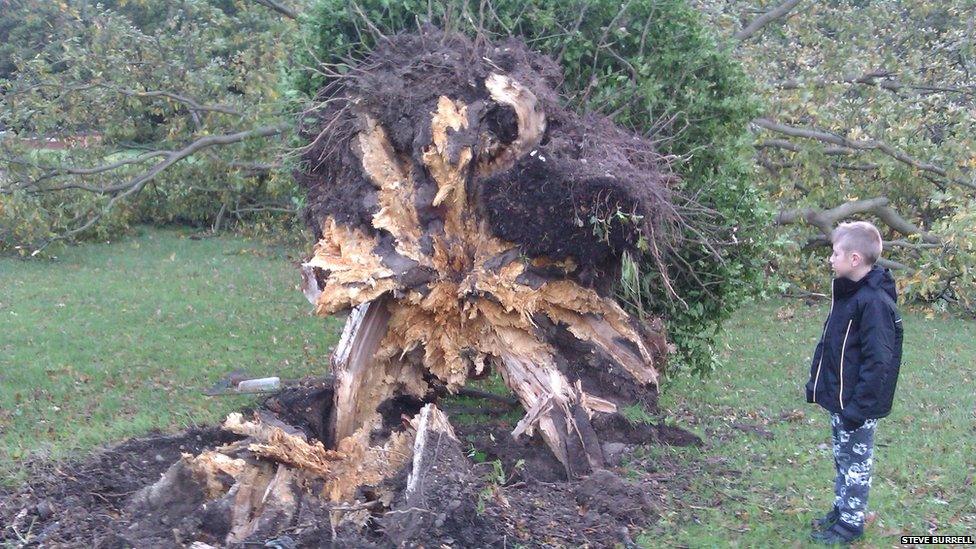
<point>654,67</point>
<point>116,84</point>
<point>897,72</point>
<point>25,32</point>
<point>947,273</point>
<point>496,479</point>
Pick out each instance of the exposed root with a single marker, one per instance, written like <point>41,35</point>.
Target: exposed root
<point>437,293</point>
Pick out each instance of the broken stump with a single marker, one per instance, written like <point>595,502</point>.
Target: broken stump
<point>425,166</point>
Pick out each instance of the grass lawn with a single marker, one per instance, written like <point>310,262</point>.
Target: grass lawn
<point>113,340</point>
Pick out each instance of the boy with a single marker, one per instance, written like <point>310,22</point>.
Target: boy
<point>854,371</point>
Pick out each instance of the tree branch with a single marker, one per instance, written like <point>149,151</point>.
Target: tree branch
<point>136,184</point>
<point>758,23</point>
<point>867,144</point>
<point>825,220</point>
<point>884,262</point>
<point>190,103</point>
<point>791,146</point>
<point>171,157</point>
<point>774,166</point>
<point>873,78</point>
<point>278,7</point>
<point>62,171</point>
<point>254,168</point>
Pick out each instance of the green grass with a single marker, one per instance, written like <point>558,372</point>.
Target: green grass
<point>110,341</point>
<point>925,454</point>
<point>113,340</point>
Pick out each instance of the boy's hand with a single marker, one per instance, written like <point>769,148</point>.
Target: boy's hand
<point>849,425</point>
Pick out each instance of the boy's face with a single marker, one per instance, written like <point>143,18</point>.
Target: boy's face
<point>844,263</point>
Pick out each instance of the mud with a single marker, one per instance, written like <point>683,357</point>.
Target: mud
<point>83,503</point>
<point>488,491</point>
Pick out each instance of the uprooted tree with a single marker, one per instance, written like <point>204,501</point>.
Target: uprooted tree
<point>175,107</point>
<point>446,183</point>
<point>448,186</point>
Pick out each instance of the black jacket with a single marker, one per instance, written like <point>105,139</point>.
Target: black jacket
<point>855,366</point>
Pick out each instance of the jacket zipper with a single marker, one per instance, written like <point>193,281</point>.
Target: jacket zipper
<point>840,394</point>
<point>823,344</point>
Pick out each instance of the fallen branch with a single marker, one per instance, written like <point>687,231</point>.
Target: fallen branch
<point>880,79</point>
<point>279,7</point>
<point>826,220</point>
<point>171,157</point>
<point>868,144</point>
<point>64,171</point>
<point>791,146</point>
<point>822,240</point>
<point>136,184</point>
<point>774,166</point>
<point>190,103</point>
<point>758,23</point>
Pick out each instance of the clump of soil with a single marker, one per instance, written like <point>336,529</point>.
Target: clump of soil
<point>83,503</point>
<point>517,494</point>
<point>590,190</point>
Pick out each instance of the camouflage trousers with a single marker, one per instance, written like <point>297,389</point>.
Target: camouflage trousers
<point>853,457</point>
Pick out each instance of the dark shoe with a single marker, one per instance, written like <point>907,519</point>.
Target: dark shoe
<point>827,520</point>
<point>836,535</point>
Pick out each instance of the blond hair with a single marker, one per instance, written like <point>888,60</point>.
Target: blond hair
<point>861,237</point>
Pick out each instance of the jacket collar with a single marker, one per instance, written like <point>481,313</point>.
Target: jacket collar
<point>844,287</point>
<point>881,279</point>
<point>877,277</point>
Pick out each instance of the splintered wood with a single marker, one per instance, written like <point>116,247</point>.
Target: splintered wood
<point>254,485</point>
<point>433,303</point>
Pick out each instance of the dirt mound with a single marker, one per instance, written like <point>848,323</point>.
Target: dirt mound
<point>81,503</point>
<point>135,494</point>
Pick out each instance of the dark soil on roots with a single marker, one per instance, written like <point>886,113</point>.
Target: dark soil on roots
<point>590,191</point>
<point>489,490</point>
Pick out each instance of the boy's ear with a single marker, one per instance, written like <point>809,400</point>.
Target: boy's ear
<point>856,258</point>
